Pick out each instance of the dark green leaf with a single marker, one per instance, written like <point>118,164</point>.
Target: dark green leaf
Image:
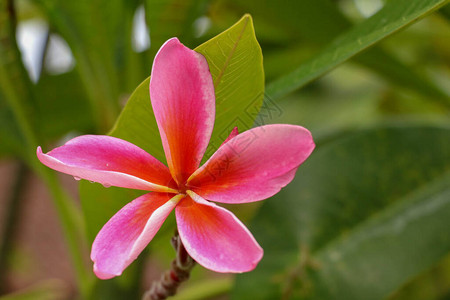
<point>11,139</point>
<point>172,18</point>
<point>62,106</point>
<point>365,214</point>
<point>17,102</point>
<point>313,23</point>
<point>394,16</point>
<point>431,285</point>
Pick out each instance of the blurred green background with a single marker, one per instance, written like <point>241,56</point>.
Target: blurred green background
<point>367,216</point>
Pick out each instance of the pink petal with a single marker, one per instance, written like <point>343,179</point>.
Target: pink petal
<point>215,238</point>
<point>254,165</point>
<point>110,161</point>
<point>182,95</point>
<point>128,232</point>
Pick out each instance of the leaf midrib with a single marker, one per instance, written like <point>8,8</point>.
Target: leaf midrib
<point>231,53</point>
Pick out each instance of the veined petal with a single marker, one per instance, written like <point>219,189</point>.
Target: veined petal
<point>254,165</point>
<point>128,232</point>
<point>214,237</point>
<point>110,161</point>
<point>182,95</point>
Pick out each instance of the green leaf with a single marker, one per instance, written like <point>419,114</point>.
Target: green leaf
<point>169,18</point>
<point>16,90</point>
<point>137,123</point>
<point>431,285</point>
<point>99,35</point>
<point>310,20</point>
<point>11,139</point>
<point>445,11</point>
<point>235,61</point>
<point>317,22</point>
<point>61,110</point>
<point>205,289</point>
<point>365,214</point>
<point>394,71</point>
<point>394,16</point>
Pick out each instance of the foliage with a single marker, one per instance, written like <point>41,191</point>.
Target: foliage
<point>366,217</point>
<point>362,209</point>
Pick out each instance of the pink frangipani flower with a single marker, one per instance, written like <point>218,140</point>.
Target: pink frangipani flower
<point>250,166</point>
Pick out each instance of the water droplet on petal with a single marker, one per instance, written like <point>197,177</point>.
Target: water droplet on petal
<point>91,181</point>
<point>106,185</point>
<point>76,178</point>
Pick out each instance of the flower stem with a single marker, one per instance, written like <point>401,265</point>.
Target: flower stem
<point>170,280</point>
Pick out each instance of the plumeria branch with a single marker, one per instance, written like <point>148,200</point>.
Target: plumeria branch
<point>180,270</point>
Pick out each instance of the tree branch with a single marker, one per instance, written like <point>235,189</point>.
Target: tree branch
<point>170,280</point>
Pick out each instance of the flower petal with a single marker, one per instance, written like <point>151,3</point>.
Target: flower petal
<point>182,95</point>
<point>128,232</point>
<point>214,237</point>
<point>254,165</point>
<point>110,161</point>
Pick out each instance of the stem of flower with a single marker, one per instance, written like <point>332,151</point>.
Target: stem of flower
<point>170,280</point>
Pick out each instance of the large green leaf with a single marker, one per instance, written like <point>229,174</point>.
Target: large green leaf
<point>365,214</point>
<point>394,16</point>
<point>235,62</point>
<point>314,23</point>
<point>137,123</point>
